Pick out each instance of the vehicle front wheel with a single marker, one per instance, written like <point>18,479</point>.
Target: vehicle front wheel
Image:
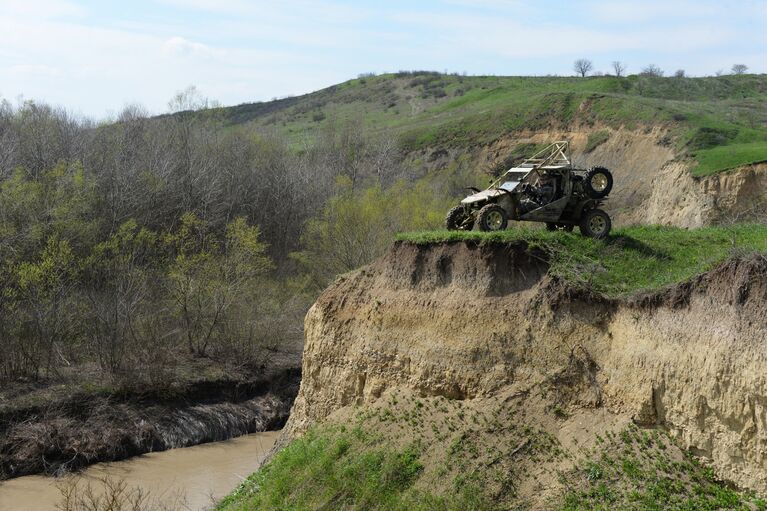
<point>456,218</point>
<point>492,218</point>
<point>596,224</point>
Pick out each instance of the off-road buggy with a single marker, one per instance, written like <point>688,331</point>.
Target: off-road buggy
<point>544,188</point>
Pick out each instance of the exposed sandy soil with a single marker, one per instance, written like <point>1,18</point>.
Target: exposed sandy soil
<point>478,325</point>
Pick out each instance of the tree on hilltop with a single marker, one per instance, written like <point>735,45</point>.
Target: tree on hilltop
<point>583,66</point>
<point>739,69</point>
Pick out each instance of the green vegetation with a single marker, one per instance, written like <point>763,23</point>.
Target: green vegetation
<point>354,228</point>
<point>596,139</point>
<point>155,252</point>
<point>638,471</point>
<point>129,300</point>
<point>477,459</point>
<point>633,259</point>
<point>427,110</point>
<point>711,161</point>
<point>404,452</point>
<point>334,468</point>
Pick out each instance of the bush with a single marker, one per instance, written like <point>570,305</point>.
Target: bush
<point>596,139</point>
<point>706,137</point>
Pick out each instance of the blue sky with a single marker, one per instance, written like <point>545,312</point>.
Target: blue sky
<point>94,57</point>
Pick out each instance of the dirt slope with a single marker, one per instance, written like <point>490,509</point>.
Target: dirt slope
<point>484,326</point>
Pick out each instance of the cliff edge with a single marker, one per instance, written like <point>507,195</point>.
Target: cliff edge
<point>485,325</point>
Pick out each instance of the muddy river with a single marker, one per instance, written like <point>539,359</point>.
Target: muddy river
<point>186,479</point>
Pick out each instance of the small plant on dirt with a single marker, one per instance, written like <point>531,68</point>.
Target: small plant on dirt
<point>596,139</point>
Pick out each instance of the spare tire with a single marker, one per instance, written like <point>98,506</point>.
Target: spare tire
<point>598,183</point>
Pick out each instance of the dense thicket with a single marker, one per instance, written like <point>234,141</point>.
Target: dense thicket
<point>125,244</point>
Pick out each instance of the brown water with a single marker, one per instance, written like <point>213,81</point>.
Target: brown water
<point>193,477</point>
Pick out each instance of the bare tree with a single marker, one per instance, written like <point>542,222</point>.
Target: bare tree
<point>679,73</point>
<point>619,68</point>
<point>190,99</point>
<point>651,70</point>
<point>583,66</point>
<point>739,69</point>
<point>719,72</point>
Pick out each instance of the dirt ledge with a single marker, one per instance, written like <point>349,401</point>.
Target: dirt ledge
<point>469,322</point>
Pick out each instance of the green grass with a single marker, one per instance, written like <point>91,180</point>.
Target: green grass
<point>337,468</point>
<point>715,159</point>
<point>432,110</point>
<point>333,467</point>
<point>637,471</point>
<point>633,259</point>
<point>596,139</point>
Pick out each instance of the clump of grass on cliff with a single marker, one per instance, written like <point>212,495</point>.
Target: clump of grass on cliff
<point>631,260</point>
<point>639,470</point>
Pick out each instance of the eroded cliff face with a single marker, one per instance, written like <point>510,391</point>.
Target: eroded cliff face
<point>678,198</point>
<point>473,323</point>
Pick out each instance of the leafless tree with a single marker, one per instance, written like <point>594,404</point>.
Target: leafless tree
<point>739,69</point>
<point>679,73</point>
<point>190,99</point>
<point>583,67</point>
<point>652,70</point>
<point>619,68</point>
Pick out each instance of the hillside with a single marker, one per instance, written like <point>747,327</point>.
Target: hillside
<point>684,151</point>
<point>720,122</point>
<point>480,373</point>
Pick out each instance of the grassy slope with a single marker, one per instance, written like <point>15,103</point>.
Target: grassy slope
<point>477,462</point>
<point>720,121</point>
<point>633,259</point>
<point>643,470</point>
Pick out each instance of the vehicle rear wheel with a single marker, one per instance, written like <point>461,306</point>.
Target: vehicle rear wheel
<point>456,218</point>
<point>492,218</point>
<point>598,183</point>
<point>596,224</point>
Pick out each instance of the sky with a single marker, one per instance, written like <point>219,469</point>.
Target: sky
<point>94,57</point>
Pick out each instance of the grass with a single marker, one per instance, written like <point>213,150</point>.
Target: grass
<point>718,121</point>
<point>638,471</point>
<point>596,139</point>
<point>333,467</point>
<point>715,159</point>
<point>631,260</point>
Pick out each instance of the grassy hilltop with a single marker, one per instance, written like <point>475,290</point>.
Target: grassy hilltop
<point>721,122</point>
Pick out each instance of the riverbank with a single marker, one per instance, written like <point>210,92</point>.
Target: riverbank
<point>57,430</point>
<point>191,478</point>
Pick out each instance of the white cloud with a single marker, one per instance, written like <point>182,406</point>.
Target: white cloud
<point>178,46</point>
